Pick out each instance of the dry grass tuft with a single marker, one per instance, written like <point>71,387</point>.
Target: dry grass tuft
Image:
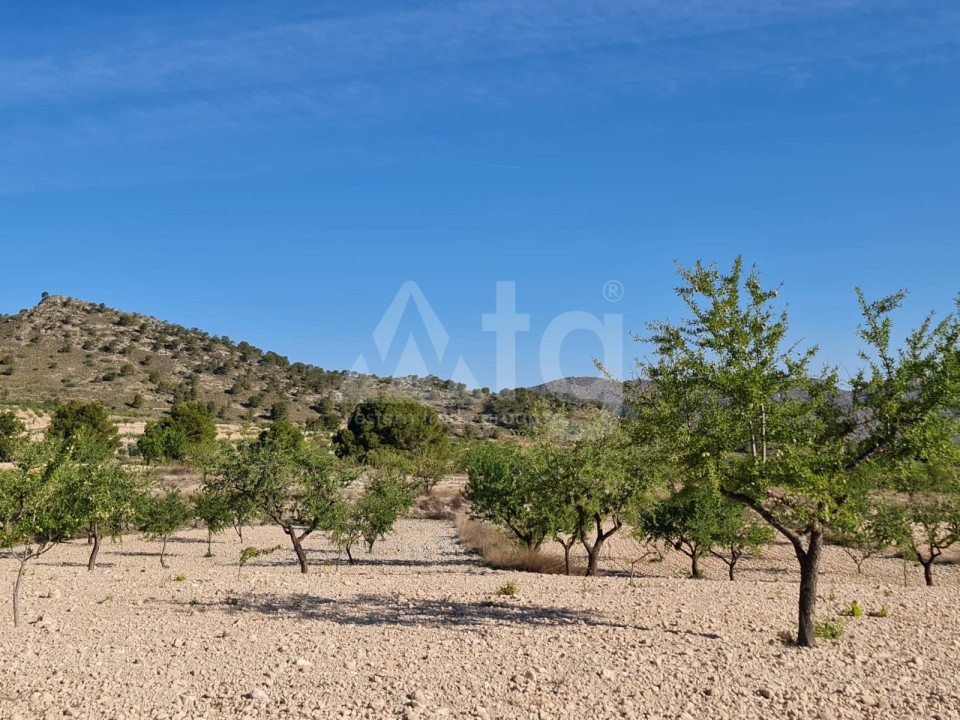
<point>499,551</point>
<point>443,502</point>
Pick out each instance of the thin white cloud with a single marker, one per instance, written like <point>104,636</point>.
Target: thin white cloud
<point>188,59</point>
<point>157,82</point>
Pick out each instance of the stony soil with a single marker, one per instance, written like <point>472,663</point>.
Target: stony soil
<point>417,630</point>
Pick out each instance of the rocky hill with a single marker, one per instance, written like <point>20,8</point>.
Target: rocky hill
<point>138,366</point>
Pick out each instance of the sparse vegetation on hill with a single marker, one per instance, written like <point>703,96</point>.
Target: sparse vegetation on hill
<point>66,349</point>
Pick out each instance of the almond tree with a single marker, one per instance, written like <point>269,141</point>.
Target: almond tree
<point>34,516</point>
<point>741,408</point>
<point>924,521</point>
<point>697,521</point>
<point>565,530</point>
<point>503,489</point>
<point>161,516</point>
<point>215,510</point>
<point>738,532</point>
<point>295,483</point>
<point>386,496</point>
<point>568,489</point>
<point>595,484</point>
<point>863,528</point>
<point>103,495</point>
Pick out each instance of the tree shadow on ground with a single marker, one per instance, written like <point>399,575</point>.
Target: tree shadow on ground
<point>374,609</point>
<point>386,610</point>
<point>101,565</point>
<point>326,559</point>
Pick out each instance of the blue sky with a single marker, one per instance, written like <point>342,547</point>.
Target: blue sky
<point>276,171</point>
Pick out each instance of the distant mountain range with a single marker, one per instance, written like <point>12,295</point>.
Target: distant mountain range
<point>608,392</point>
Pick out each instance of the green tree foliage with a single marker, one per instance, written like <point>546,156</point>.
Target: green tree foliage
<point>698,521</point>
<point>249,553</point>
<point>189,425</point>
<point>687,521</point>
<point>12,433</point>
<point>103,496</point>
<point>572,491</point>
<point>327,416</point>
<point>522,410</point>
<point>739,531</point>
<point>162,515</point>
<point>162,441</point>
<point>740,407</point>
<point>33,516</point>
<point>863,528</point>
<point>431,464</point>
<point>215,510</point>
<point>280,410</point>
<point>385,497</point>
<point>293,482</point>
<point>503,489</point>
<point>208,458</point>
<point>90,420</point>
<point>221,501</point>
<point>282,434</point>
<point>598,482</point>
<point>923,518</point>
<point>195,421</point>
<point>214,504</point>
<point>399,424</point>
<point>397,433</point>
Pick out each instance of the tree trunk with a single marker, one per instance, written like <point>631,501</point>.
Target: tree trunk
<point>809,569</point>
<point>92,562</point>
<point>730,562</point>
<point>298,549</point>
<point>209,543</point>
<point>593,555</point>
<point>695,564</point>
<point>566,558</point>
<point>16,594</point>
<point>593,550</point>
<point>928,571</point>
<point>734,557</point>
<point>163,550</point>
<point>349,555</point>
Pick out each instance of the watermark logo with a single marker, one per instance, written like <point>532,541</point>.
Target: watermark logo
<point>505,323</point>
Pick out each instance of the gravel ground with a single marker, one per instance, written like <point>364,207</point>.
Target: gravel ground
<point>418,631</point>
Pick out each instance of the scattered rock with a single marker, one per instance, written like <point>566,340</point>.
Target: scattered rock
<point>258,695</point>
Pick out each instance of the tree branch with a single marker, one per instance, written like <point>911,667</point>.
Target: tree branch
<point>770,518</point>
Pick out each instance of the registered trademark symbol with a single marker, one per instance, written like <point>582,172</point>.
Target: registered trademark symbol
<point>613,291</point>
